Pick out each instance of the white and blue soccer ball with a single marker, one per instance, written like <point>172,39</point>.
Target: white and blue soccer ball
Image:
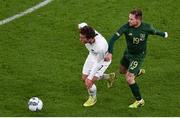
<point>35,104</point>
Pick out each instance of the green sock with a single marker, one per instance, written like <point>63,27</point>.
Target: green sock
<point>135,91</point>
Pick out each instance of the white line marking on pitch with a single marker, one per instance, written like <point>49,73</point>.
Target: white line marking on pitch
<point>27,11</point>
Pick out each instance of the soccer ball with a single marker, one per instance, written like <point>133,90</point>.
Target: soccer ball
<point>35,104</point>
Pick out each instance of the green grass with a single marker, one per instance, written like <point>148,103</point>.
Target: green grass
<point>40,55</point>
<point>12,7</point>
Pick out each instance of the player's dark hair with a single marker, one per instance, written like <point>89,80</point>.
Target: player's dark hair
<point>137,13</point>
<point>88,32</point>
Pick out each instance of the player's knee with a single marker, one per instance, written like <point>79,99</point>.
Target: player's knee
<point>88,83</point>
<point>130,78</point>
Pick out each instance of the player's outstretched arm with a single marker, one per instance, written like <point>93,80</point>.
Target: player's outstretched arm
<point>111,43</point>
<point>108,56</point>
<point>116,36</point>
<point>154,31</point>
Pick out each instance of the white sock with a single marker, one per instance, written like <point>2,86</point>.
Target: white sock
<point>92,91</point>
<point>104,76</point>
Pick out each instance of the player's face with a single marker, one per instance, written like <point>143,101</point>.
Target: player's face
<point>133,21</point>
<point>83,39</point>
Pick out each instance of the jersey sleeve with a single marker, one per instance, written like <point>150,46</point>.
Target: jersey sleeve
<point>153,31</point>
<point>116,36</point>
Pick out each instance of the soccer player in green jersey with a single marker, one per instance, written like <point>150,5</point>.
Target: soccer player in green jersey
<point>136,33</point>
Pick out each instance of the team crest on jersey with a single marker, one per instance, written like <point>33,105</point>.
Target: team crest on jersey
<point>93,52</point>
<point>142,37</point>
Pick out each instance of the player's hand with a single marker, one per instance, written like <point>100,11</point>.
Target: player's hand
<point>108,57</point>
<point>88,83</point>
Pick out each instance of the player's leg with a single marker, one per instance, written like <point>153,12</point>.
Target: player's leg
<point>122,69</point>
<point>92,90</point>
<point>101,74</point>
<point>87,66</point>
<point>141,71</point>
<point>111,79</point>
<point>124,64</point>
<point>85,72</point>
<point>130,78</point>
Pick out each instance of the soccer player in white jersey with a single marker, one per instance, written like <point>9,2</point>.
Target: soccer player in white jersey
<point>95,65</point>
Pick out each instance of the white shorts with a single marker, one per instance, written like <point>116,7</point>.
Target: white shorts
<point>90,62</point>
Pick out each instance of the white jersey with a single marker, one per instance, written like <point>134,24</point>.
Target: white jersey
<point>95,64</point>
<point>99,48</point>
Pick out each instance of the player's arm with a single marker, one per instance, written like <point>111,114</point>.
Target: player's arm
<point>154,31</point>
<point>116,36</point>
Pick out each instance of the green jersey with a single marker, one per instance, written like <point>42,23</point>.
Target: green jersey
<point>136,38</point>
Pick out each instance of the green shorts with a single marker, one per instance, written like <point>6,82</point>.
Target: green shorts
<point>132,62</point>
